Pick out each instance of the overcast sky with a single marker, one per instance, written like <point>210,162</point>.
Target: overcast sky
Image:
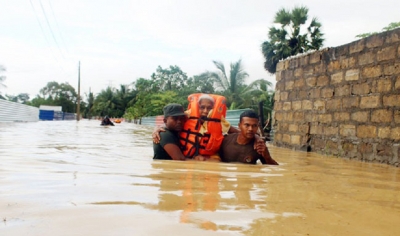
<point>121,40</point>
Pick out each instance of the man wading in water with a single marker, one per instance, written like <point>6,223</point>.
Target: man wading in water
<point>169,147</point>
<point>243,147</point>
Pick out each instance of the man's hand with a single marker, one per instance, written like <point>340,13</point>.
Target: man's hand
<point>262,149</point>
<point>258,140</point>
<point>260,146</point>
<point>156,134</point>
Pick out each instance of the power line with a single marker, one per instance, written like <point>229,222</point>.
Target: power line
<point>44,35</point>
<point>41,27</point>
<point>51,30</point>
<point>55,19</point>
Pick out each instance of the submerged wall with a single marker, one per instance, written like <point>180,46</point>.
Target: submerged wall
<point>342,101</point>
<point>16,112</point>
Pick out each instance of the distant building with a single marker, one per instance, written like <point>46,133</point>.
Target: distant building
<point>50,112</point>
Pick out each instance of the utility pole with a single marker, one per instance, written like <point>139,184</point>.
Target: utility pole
<point>90,104</point>
<point>78,108</point>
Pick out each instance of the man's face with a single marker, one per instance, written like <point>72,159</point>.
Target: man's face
<point>248,127</point>
<point>205,106</point>
<point>175,123</point>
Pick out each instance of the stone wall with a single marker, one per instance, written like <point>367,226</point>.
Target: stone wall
<point>342,101</point>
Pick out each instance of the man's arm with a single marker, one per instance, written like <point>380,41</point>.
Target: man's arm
<point>156,134</point>
<point>174,152</point>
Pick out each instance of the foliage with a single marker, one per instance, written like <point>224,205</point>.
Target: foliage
<point>147,97</point>
<point>391,26</point>
<point>260,91</point>
<point>107,103</point>
<point>38,100</point>
<point>143,88</point>
<point>229,86</point>
<point>21,98</point>
<point>201,84</point>
<point>289,40</point>
<point>172,78</point>
<point>55,94</point>
<point>87,112</point>
<point>150,104</point>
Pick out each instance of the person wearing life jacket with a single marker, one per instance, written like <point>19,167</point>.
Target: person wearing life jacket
<point>205,128</point>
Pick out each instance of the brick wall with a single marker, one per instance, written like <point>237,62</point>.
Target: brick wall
<point>342,101</point>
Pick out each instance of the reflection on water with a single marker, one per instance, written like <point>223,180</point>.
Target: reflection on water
<point>79,178</point>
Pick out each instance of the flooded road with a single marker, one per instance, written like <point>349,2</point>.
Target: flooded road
<point>78,178</point>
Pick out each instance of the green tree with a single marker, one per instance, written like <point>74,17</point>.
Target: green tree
<point>159,100</point>
<point>107,103</point>
<point>67,98</point>
<point>56,94</point>
<point>200,84</point>
<point>140,105</point>
<point>172,78</point>
<point>260,91</point>
<point>289,40</point>
<point>88,111</point>
<point>390,26</point>
<point>230,86</point>
<point>125,96</point>
<point>37,101</point>
<point>21,98</point>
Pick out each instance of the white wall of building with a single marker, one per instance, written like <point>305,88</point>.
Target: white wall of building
<point>16,112</point>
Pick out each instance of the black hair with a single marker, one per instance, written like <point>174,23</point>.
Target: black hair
<point>248,113</point>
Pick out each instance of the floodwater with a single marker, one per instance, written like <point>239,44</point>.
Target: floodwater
<point>78,178</point>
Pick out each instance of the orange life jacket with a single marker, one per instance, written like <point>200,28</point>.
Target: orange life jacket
<point>194,143</point>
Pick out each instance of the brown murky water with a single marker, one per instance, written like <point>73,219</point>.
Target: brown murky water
<point>78,178</point>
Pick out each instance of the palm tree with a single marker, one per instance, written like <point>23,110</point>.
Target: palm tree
<point>107,103</point>
<point>258,91</point>
<point>231,86</point>
<point>90,101</point>
<point>288,40</point>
